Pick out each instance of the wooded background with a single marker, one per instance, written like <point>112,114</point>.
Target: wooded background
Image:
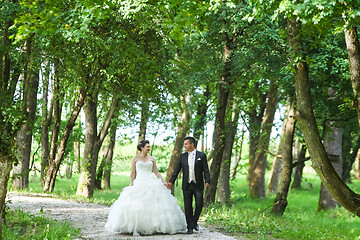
<point>126,63</point>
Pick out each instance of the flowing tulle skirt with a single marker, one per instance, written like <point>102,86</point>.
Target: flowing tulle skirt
<point>147,207</point>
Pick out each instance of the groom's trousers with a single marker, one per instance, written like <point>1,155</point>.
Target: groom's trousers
<point>191,216</point>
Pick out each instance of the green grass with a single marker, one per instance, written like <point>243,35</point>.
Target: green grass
<point>20,225</point>
<point>247,217</point>
<point>252,218</point>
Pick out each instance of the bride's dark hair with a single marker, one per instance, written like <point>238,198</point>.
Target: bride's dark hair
<point>142,144</point>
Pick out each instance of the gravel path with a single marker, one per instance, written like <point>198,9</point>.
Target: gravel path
<point>91,218</point>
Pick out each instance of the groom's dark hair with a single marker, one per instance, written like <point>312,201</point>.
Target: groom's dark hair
<point>191,140</point>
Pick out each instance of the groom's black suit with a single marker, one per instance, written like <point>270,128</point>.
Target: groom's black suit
<point>192,189</point>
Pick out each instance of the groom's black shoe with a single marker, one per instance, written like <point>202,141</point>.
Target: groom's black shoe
<point>189,231</point>
<point>196,228</point>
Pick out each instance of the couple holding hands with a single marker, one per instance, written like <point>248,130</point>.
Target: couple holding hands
<point>147,206</point>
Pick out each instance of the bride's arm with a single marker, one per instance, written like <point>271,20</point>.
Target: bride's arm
<point>156,171</point>
<point>133,170</point>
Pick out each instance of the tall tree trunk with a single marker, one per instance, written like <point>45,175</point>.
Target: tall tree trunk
<point>349,155</point>
<point>353,47</point>
<point>45,124</point>
<point>223,195</point>
<point>257,183</point>
<point>298,170</point>
<point>93,143</point>
<point>357,165</point>
<point>106,160</point>
<point>54,166</point>
<point>254,128</point>
<point>84,187</point>
<point>236,163</point>
<point>306,119</point>
<point>278,161</point>
<point>183,129</point>
<point>8,129</point>
<point>108,154</point>
<point>77,150</point>
<point>333,147</point>
<point>57,107</point>
<point>200,118</point>
<point>6,161</point>
<point>144,118</point>
<point>24,138</point>
<point>219,129</point>
<point>280,201</point>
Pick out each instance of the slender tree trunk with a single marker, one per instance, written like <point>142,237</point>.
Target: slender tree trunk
<point>93,143</point>
<point>255,119</point>
<point>219,129</point>
<point>77,150</point>
<point>57,106</point>
<point>144,118</point>
<point>357,165</point>
<point>254,137</point>
<point>223,195</point>
<point>278,161</point>
<point>218,142</point>
<point>349,155</point>
<point>183,129</point>
<point>280,201</point>
<point>353,47</point>
<point>333,147</point>
<point>6,162</point>
<point>257,183</point>
<point>298,171</point>
<point>200,118</point>
<point>24,138</point>
<point>306,119</point>
<point>236,163</point>
<point>106,159</point>
<point>55,165</point>
<point>108,154</point>
<point>45,124</point>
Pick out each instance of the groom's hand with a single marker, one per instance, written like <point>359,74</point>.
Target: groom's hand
<point>169,185</point>
<point>207,185</point>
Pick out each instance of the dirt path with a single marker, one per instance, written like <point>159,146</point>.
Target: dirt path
<point>91,218</point>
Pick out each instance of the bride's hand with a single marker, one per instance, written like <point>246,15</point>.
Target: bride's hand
<point>166,184</point>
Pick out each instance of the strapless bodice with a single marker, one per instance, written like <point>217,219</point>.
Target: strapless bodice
<point>143,168</point>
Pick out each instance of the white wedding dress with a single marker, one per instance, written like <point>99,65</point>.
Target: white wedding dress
<point>146,207</point>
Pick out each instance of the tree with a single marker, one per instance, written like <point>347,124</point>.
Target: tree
<point>223,195</point>
<point>305,117</point>
<point>24,137</point>
<point>54,165</point>
<point>300,164</point>
<point>93,143</point>
<point>257,180</point>
<point>280,201</point>
<point>278,159</point>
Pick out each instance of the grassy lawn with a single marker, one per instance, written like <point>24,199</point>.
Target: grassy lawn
<point>20,225</point>
<point>252,218</point>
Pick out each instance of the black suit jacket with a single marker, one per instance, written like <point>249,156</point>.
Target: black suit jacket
<point>201,170</point>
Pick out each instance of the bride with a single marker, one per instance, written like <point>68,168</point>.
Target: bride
<point>146,206</point>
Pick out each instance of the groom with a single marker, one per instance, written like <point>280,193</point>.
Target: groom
<point>195,171</point>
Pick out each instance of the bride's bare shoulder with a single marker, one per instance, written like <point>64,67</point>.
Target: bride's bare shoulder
<point>135,159</point>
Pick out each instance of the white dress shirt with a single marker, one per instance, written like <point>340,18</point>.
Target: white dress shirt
<point>191,163</point>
